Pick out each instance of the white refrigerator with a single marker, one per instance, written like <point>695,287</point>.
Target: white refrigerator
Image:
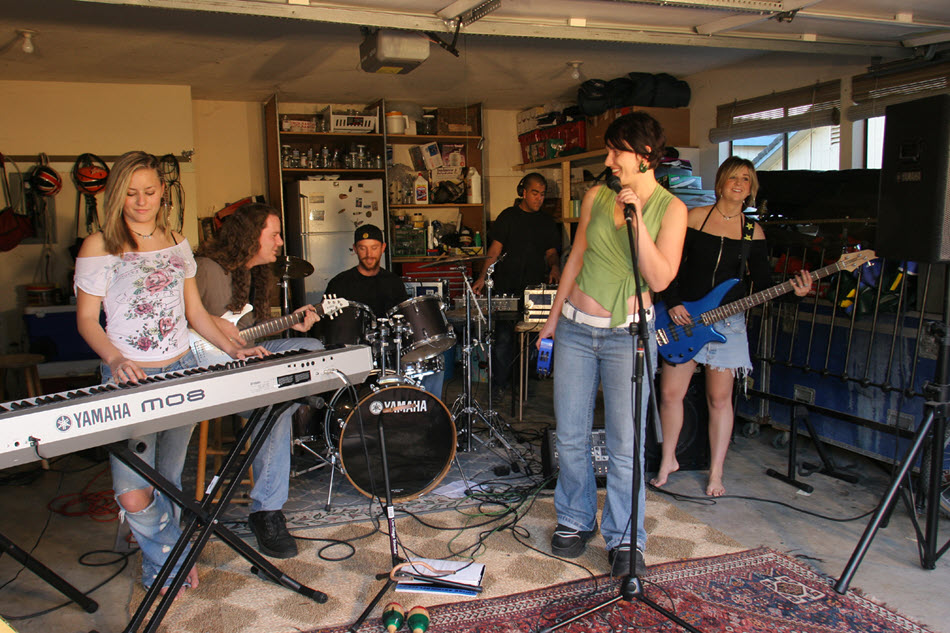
<point>321,216</point>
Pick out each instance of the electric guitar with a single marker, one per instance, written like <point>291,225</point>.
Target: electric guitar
<point>680,342</point>
<point>207,354</point>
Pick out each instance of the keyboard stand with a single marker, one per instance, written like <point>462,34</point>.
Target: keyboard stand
<point>47,575</point>
<point>204,519</point>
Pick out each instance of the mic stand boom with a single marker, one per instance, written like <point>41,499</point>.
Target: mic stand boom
<point>632,588</point>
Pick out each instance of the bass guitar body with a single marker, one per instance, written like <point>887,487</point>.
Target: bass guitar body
<point>683,342</point>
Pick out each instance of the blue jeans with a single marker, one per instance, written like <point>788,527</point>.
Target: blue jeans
<point>586,357</point>
<point>272,463</point>
<point>157,527</point>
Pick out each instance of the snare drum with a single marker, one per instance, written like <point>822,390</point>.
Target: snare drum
<point>420,440</point>
<point>430,333</point>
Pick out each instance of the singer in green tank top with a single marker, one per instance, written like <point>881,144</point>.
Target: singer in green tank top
<point>607,274</point>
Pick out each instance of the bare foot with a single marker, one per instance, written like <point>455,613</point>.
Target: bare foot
<point>715,488</point>
<point>191,582</point>
<point>665,470</point>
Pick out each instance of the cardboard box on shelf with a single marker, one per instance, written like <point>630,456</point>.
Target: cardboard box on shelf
<point>675,122</point>
<point>425,157</point>
<point>461,121</point>
<point>453,154</point>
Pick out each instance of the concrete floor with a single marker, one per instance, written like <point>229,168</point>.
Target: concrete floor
<point>890,572</point>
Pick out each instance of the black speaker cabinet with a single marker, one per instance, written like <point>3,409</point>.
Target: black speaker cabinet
<point>913,218</point>
<point>692,449</point>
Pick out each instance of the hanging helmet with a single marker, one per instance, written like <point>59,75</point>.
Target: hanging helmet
<point>45,180</point>
<point>90,174</point>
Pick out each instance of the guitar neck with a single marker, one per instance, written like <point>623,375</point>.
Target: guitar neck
<point>272,326</point>
<point>747,303</point>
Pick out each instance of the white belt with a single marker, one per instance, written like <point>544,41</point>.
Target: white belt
<point>577,316</point>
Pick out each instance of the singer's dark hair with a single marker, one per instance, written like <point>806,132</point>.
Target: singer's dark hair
<point>638,132</point>
<point>729,167</point>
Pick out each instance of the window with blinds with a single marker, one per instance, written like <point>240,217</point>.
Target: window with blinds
<point>779,113</point>
<point>873,92</point>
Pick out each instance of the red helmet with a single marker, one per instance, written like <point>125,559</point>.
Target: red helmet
<point>45,180</point>
<point>90,174</point>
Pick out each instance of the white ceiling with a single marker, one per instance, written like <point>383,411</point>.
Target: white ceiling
<point>514,57</point>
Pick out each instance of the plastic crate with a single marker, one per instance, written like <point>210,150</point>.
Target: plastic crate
<point>363,123</point>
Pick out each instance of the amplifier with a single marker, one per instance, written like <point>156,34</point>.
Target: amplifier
<point>501,303</point>
<point>538,301</point>
<point>598,454</point>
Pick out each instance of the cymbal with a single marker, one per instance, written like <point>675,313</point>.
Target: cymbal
<point>292,267</point>
<point>454,260</point>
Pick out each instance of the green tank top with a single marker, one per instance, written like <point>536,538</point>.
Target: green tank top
<point>607,275</point>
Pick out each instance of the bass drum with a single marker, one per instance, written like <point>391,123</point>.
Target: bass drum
<point>420,441</point>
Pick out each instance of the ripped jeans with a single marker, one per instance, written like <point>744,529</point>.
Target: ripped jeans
<point>156,527</point>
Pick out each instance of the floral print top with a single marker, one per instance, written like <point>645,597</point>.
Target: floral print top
<point>143,296</point>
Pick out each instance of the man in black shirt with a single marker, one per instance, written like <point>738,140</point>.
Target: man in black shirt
<point>374,286</point>
<point>368,282</point>
<point>529,240</point>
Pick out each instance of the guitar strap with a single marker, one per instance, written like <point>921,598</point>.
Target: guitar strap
<point>748,228</point>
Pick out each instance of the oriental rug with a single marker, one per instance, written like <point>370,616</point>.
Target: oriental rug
<point>755,591</point>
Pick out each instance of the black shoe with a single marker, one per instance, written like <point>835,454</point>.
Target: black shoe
<point>619,558</point>
<point>568,542</point>
<point>273,539</point>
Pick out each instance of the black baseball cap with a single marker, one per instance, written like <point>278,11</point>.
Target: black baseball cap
<point>368,232</point>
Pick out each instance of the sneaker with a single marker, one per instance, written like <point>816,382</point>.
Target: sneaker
<point>568,542</point>
<point>619,558</point>
<point>273,539</point>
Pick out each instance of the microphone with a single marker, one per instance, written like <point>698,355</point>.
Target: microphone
<point>614,184</point>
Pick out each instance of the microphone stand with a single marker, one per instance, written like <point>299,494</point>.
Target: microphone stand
<point>631,588</point>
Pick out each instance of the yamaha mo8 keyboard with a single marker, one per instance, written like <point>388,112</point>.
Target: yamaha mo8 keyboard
<point>69,421</point>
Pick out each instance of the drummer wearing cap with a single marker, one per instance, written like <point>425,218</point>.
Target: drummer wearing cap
<point>368,282</point>
<point>374,286</point>
<point>233,270</point>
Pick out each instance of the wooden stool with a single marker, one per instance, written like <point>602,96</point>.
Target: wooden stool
<point>31,375</point>
<point>215,447</point>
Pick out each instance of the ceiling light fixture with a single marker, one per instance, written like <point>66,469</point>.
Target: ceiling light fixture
<point>575,70</point>
<point>27,46</point>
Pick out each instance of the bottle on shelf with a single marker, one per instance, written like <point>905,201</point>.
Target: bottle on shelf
<point>473,186</point>
<point>421,190</point>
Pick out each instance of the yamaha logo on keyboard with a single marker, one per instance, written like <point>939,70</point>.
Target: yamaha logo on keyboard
<point>91,417</point>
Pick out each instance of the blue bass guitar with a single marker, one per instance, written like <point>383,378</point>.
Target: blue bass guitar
<point>678,343</point>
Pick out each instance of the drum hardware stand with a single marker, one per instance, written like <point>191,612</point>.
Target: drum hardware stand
<point>631,587</point>
<point>209,514</point>
<point>466,403</point>
<point>934,428</point>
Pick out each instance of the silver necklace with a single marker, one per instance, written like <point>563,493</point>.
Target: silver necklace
<point>726,217</point>
<point>149,236</point>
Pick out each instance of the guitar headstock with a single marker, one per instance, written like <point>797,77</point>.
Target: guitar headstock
<point>851,261</point>
<point>331,305</point>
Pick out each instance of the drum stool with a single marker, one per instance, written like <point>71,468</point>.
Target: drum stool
<point>214,446</point>
<point>31,376</point>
